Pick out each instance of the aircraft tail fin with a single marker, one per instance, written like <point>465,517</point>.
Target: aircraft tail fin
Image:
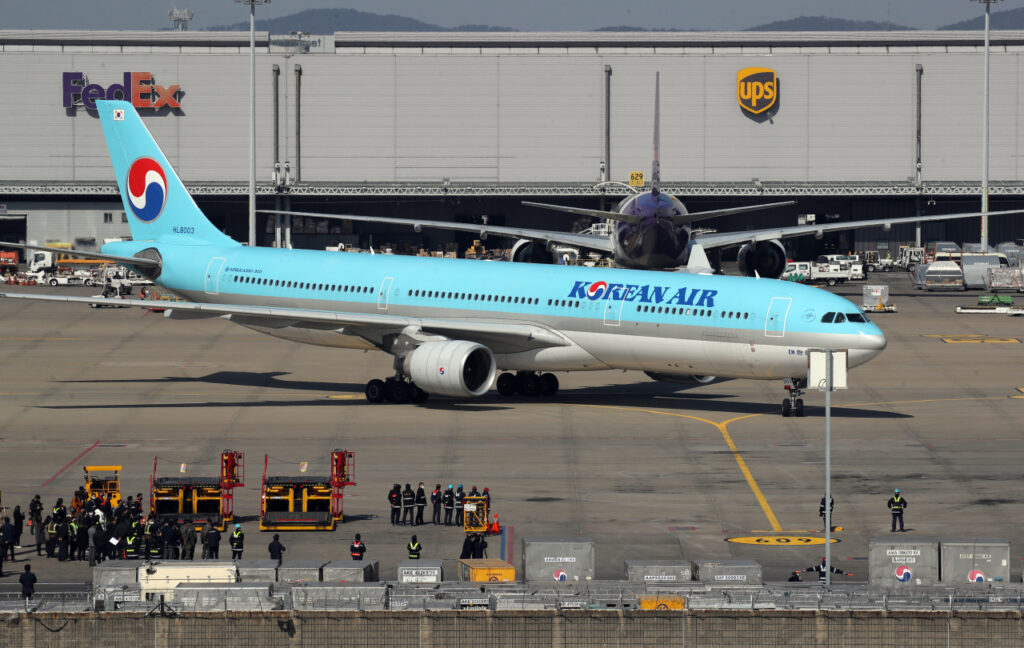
<point>156,202</point>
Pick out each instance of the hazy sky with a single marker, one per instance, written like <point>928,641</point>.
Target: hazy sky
<point>543,15</point>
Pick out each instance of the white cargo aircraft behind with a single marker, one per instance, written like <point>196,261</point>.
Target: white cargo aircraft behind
<point>453,324</point>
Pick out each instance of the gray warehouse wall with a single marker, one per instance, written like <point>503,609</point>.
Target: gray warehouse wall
<point>532,115</point>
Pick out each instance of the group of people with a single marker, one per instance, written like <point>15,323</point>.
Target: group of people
<point>407,505</point>
<point>93,529</point>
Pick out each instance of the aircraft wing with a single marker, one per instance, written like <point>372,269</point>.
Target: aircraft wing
<point>733,239</point>
<point>586,241</point>
<point>500,337</point>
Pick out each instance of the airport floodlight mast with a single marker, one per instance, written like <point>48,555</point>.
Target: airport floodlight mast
<point>252,115</point>
<point>180,18</point>
<point>984,135</point>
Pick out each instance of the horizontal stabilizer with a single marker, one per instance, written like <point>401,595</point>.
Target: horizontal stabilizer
<point>581,211</point>
<point>682,219</point>
<point>136,261</point>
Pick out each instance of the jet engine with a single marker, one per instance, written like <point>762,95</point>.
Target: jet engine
<point>527,251</point>
<point>455,368</point>
<point>763,259</point>
<point>681,379</point>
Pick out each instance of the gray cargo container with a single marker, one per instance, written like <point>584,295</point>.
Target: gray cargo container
<point>558,559</point>
<point>300,571</point>
<point>903,561</point>
<point>114,573</point>
<point>256,571</point>
<point>420,571</point>
<point>220,597</point>
<point>659,571</point>
<point>968,560</point>
<point>327,596</point>
<point>350,571</point>
<point>728,572</point>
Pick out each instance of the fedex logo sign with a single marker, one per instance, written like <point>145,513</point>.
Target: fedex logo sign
<point>138,88</point>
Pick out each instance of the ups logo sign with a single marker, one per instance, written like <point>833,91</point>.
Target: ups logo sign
<point>757,90</point>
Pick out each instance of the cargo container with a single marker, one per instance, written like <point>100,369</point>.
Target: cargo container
<point>559,559</point>
<point>257,571</point>
<point>970,560</point>
<point>486,570</point>
<point>903,561</point>
<point>300,571</point>
<point>350,571</point>
<point>421,571</point>
<point>728,572</point>
<point>659,571</point>
<point>662,602</point>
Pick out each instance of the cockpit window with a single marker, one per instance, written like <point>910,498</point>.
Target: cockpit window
<point>840,318</point>
<point>856,317</point>
<point>827,318</point>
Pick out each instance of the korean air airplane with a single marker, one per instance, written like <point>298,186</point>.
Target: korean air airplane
<point>451,324</point>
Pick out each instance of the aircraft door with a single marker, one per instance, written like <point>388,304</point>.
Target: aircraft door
<point>613,308</point>
<point>384,292</point>
<point>775,321</point>
<point>213,275</point>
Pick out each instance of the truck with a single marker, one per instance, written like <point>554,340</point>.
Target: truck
<point>851,262</point>
<point>8,263</point>
<point>908,258</point>
<point>813,272</point>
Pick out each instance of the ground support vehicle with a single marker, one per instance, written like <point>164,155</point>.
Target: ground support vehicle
<point>306,502</point>
<point>198,500</point>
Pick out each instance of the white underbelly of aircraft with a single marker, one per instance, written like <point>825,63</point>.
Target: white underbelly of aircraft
<point>337,339</point>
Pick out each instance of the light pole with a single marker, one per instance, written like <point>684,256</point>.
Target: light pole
<point>984,137</point>
<point>252,115</point>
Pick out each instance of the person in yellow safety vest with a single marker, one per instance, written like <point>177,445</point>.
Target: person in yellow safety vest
<point>237,541</point>
<point>131,546</point>
<point>896,505</point>
<point>415,549</point>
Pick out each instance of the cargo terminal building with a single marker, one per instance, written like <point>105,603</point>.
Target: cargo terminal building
<point>462,126</point>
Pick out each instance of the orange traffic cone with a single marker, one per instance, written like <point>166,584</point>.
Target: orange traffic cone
<point>495,527</point>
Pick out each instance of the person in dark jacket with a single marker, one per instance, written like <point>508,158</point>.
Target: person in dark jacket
<point>83,540</point>
<point>822,570</point>
<point>460,496</point>
<point>480,546</point>
<point>421,503</point>
<point>188,541</point>
<point>167,534</point>
<point>213,543</point>
<point>357,548</point>
<point>467,547</point>
<point>897,503</point>
<point>19,525</point>
<point>395,500</point>
<point>102,543</point>
<point>51,537</point>
<point>7,539</point>
<point>28,582</point>
<point>435,500</point>
<point>39,531</point>
<point>62,541</point>
<point>831,511</point>
<point>237,541</point>
<point>408,501</point>
<point>448,499</point>
<point>276,550</point>
<point>35,508</point>
<point>202,538</point>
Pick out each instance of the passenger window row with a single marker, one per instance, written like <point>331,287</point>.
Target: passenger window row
<point>695,312</point>
<point>504,299</point>
<point>839,318</point>
<point>300,285</point>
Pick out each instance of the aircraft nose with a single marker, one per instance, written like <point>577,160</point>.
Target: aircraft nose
<point>868,347</point>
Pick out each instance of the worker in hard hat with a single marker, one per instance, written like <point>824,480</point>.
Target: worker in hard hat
<point>897,503</point>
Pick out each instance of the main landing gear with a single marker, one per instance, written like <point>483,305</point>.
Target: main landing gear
<point>794,405</point>
<point>527,383</point>
<point>395,390</point>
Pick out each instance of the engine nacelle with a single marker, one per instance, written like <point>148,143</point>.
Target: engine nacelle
<point>455,368</point>
<point>527,251</point>
<point>681,379</point>
<point>763,259</point>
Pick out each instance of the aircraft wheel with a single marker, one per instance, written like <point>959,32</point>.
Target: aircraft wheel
<point>507,384</point>
<point>529,384</point>
<point>787,408</point>
<point>400,390</point>
<point>418,395</point>
<point>375,391</point>
<point>548,384</point>
<point>798,410</point>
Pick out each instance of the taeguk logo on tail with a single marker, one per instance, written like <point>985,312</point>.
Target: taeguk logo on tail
<point>903,574</point>
<point>560,575</point>
<point>147,189</point>
<point>976,576</point>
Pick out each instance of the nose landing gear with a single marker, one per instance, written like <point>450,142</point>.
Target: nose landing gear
<point>793,405</point>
